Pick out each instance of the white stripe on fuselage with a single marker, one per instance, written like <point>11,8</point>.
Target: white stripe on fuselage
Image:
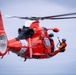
<point>23,43</point>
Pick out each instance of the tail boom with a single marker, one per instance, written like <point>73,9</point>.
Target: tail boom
<point>3,38</point>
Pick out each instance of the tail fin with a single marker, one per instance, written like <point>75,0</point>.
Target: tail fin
<point>3,38</point>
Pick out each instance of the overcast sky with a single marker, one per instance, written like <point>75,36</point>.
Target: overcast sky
<point>62,63</point>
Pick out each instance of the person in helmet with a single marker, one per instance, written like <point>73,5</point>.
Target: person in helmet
<point>61,48</point>
<point>62,45</point>
<point>51,41</point>
<point>51,35</point>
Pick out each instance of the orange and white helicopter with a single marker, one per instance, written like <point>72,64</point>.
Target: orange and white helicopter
<point>32,42</point>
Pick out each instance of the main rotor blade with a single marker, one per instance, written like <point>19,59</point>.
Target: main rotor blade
<point>61,15</point>
<point>15,17</point>
<point>61,18</point>
<point>54,17</point>
<point>27,18</point>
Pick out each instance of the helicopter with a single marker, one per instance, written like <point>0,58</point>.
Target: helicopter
<point>33,41</point>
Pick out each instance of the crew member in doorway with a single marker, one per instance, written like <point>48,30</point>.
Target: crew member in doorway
<point>61,48</point>
<point>52,42</point>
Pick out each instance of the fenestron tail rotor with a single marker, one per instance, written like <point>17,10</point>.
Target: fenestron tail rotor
<point>54,17</point>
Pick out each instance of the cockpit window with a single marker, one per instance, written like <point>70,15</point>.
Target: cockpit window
<point>44,30</point>
<point>25,33</point>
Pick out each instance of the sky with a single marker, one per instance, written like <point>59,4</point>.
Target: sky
<point>62,63</point>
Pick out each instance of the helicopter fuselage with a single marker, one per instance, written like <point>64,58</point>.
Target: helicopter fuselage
<point>31,42</point>
<point>37,46</point>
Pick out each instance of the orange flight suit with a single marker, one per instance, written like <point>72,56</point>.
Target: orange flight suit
<point>61,48</point>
